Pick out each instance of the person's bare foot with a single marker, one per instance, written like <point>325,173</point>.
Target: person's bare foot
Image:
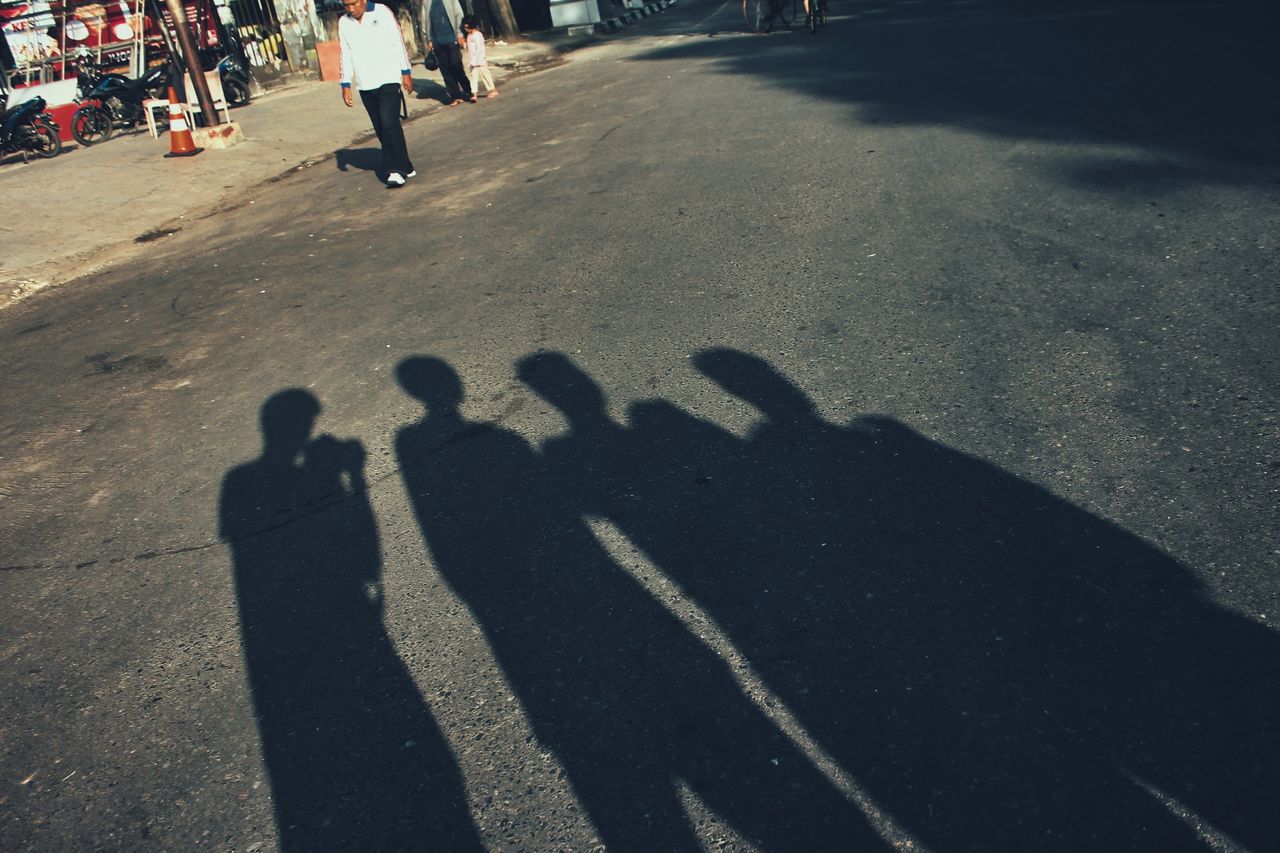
<point>455,102</point>
<point>492,94</point>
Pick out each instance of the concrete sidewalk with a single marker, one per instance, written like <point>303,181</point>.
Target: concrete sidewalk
<point>91,207</point>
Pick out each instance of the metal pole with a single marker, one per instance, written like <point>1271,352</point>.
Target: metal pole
<point>63,36</point>
<point>192,59</point>
<point>139,43</point>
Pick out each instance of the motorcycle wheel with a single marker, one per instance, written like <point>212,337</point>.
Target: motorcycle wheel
<point>91,125</point>
<point>237,93</point>
<point>48,145</point>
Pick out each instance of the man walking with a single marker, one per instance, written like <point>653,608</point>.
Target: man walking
<point>445,37</point>
<point>373,54</point>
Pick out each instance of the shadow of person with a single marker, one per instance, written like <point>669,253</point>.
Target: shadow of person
<point>620,473</point>
<point>633,705</point>
<point>999,668</point>
<point>354,757</point>
<point>365,159</point>
<point>430,90</point>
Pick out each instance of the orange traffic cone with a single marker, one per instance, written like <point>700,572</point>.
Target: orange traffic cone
<point>181,144</point>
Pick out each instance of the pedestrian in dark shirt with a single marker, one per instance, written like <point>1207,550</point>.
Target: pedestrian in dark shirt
<point>444,36</point>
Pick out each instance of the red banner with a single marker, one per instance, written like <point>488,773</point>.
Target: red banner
<point>45,34</point>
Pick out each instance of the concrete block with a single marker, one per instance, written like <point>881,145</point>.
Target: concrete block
<point>223,136</point>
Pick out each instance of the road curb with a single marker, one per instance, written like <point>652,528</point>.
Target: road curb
<point>613,25</point>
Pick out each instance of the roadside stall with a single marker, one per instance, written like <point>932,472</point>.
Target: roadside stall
<point>47,39</point>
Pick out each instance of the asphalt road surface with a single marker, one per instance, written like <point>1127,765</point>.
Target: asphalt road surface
<point>842,442</point>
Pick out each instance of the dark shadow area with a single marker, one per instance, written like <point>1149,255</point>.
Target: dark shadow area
<point>364,159</point>
<point>632,704</point>
<point>355,758</point>
<point>1190,81</point>
<point>430,90</point>
<point>998,669</point>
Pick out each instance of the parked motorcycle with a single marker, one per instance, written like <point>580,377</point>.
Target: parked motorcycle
<point>26,128</point>
<point>235,81</point>
<point>111,99</point>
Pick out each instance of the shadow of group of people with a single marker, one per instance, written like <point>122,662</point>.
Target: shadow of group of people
<point>995,667</point>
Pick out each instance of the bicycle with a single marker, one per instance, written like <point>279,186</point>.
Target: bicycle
<point>762,14</point>
<point>817,16</point>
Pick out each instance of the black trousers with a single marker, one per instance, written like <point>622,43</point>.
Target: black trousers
<point>455,76</point>
<point>383,106</point>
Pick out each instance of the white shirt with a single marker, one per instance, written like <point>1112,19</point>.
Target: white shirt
<point>373,51</point>
<point>475,49</point>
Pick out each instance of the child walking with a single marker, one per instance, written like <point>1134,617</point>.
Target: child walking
<point>479,66</point>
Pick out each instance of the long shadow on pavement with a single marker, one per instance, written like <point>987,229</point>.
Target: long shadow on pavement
<point>636,708</point>
<point>365,159</point>
<point>998,669</point>
<point>355,758</point>
<point>995,667</point>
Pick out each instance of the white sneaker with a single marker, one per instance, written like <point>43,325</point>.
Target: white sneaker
<point>395,179</point>
<point>412,174</point>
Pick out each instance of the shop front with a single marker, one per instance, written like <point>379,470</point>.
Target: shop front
<point>44,38</point>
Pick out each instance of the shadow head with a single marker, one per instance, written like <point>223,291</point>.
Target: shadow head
<point>555,378</point>
<point>287,418</point>
<point>430,380</point>
<point>756,381</point>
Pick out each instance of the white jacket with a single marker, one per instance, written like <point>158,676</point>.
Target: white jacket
<point>373,51</point>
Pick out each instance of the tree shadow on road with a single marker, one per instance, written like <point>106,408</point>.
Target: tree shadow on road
<point>1171,86</point>
<point>997,668</point>
<point>354,756</point>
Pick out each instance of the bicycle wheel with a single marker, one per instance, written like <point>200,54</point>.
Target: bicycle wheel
<point>759,15</point>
